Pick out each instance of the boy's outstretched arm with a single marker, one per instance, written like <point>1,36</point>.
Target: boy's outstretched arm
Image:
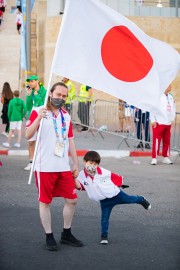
<point>118,180</point>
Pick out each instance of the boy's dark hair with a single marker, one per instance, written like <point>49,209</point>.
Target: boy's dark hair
<point>92,156</point>
<point>16,93</point>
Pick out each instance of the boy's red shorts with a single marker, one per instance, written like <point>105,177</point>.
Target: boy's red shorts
<point>55,184</point>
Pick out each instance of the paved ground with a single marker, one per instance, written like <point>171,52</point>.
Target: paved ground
<point>138,239</point>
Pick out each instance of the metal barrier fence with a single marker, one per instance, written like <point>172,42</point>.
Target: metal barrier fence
<point>120,119</point>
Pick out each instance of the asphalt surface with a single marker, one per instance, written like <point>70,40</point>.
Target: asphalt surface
<point>138,239</point>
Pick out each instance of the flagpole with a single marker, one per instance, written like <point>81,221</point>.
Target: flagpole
<point>39,131</point>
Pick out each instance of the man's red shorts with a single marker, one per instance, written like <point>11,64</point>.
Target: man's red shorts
<point>55,184</point>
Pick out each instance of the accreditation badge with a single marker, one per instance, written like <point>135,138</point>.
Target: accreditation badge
<point>59,149</point>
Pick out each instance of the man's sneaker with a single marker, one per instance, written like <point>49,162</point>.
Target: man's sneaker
<point>166,160</point>
<point>154,161</point>
<point>146,204</point>
<point>104,240</point>
<point>17,145</point>
<point>147,146</point>
<point>140,145</point>
<point>70,240</point>
<point>6,144</point>
<point>28,167</point>
<point>51,243</point>
<point>84,129</point>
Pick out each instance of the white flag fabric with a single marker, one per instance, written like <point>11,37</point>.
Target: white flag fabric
<point>103,49</point>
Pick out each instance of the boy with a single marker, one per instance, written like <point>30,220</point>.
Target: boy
<point>103,185</point>
<point>16,112</point>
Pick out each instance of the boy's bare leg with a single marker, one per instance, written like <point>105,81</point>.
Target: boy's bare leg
<point>10,135</point>
<point>19,136</point>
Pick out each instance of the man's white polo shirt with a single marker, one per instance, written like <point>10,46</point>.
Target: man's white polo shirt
<point>46,161</point>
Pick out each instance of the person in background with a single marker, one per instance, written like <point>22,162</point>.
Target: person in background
<point>71,95</point>
<point>1,16</point>
<point>19,5</point>
<point>129,115</point>
<point>85,99</point>
<point>121,116</point>
<point>35,97</point>
<point>161,127</point>
<point>3,4</point>
<point>19,21</point>
<point>54,177</point>
<point>104,186</point>
<point>142,122</point>
<point>6,96</point>
<point>16,113</point>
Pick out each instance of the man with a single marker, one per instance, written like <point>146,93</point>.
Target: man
<point>161,127</point>
<point>52,169</point>
<point>71,94</point>
<point>142,122</point>
<point>35,97</point>
<point>85,99</point>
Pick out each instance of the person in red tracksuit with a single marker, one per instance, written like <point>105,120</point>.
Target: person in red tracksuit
<point>161,127</point>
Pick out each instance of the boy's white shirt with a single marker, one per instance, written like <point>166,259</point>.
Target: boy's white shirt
<point>100,187</point>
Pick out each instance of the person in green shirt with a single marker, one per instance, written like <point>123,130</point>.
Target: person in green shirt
<point>35,97</point>
<point>36,93</point>
<point>16,113</point>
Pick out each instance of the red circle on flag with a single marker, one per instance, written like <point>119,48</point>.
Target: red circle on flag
<point>124,56</point>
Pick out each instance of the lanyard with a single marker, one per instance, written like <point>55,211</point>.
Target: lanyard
<point>63,126</point>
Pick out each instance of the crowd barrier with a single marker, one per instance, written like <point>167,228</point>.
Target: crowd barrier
<point>117,118</point>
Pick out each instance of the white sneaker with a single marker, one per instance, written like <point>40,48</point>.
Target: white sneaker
<point>104,240</point>
<point>154,161</point>
<point>28,167</point>
<point>6,144</point>
<point>166,160</point>
<point>17,145</point>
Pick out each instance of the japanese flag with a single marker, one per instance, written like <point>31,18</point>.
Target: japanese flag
<point>99,47</point>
